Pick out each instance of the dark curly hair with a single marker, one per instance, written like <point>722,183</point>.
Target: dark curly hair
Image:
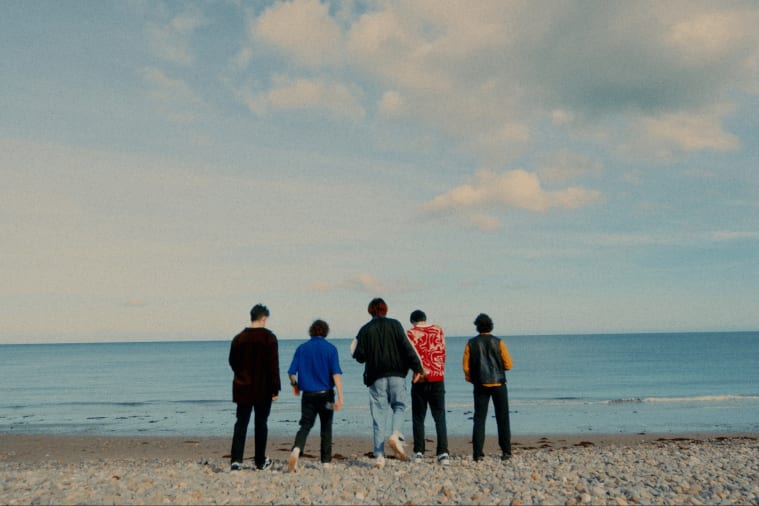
<point>318,328</point>
<point>483,323</point>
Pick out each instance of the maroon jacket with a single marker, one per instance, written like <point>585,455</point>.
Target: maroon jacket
<point>254,357</point>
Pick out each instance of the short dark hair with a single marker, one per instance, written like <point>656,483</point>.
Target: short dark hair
<point>318,328</point>
<point>377,307</point>
<point>258,311</point>
<point>418,316</point>
<point>483,323</point>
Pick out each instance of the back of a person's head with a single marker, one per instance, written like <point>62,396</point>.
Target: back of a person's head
<point>319,328</point>
<point>483,323</point>
<point>258,311</point>
<point>377,307</point>
<point>418,316</point>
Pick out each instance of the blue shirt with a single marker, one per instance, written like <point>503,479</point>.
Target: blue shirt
<point>314,362</point>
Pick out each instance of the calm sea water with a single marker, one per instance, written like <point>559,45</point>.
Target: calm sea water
<point>605,384</point>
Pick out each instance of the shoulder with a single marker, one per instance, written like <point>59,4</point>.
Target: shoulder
<point>331,348</point>
<point>394,323</point>
<point>241,336</point>
<point>367,325</point>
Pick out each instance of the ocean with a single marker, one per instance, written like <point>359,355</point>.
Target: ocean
<point>560,384</point>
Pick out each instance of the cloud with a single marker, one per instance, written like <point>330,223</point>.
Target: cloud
<point>307,94</point>
<point>176,101</point>
<point>564,166</point>
<point>513,189</point>
<point>136,303</point>
<point>487,76</point>
<point>714,34</point>
<point>686,131</point>
<point>360,282</point>
<point>303,30</point>
<point>172,41</point>
<point>733,235</point>
<point>391,104</point>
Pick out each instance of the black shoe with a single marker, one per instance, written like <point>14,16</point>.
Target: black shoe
<point>505,456</point>
<point>236,466</point>
<point>266,465</point>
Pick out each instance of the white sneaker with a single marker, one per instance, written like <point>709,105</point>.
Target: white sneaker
<point>443,459</point>
<point>328,466</point>
<point>380,462</point>
<point>418,457</point>
<point>267,464</point>
<point>396,443</point>
<point>236,466</point>
<point>292,461</point>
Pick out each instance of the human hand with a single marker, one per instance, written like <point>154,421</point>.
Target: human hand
<point>338,404</point>
<point>274,397</point>
<point>417,377</point>
<point>296,390</point>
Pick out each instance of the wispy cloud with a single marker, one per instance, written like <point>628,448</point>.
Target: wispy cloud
<point>363,282</point>
<point>173,97</point>
<point>303,30</point>
<point>513,189</point>
<point>689,131</point>
<point>172,41</point>
<point>307,94</point>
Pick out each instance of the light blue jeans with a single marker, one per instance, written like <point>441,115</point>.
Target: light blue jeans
<point>386,394</point>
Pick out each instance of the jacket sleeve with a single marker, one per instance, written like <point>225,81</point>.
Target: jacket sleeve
<point>276,384</point>
<point>293,369</point>
<point>505,357</point>
<point>233,357</point>
<point>465,363</point>
<point>357,349</point>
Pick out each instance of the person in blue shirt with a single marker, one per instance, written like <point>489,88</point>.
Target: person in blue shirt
<point>315,372</point>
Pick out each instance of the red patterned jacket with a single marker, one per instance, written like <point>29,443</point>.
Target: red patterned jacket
<point>429,343</point>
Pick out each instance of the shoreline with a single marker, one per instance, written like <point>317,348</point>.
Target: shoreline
<point>576,469</point>
<point>29,448</point>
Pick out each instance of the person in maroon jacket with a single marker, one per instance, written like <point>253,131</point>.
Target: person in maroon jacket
<point>254,358</point>
<point>429,342</point>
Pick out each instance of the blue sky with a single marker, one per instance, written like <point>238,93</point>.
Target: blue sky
<point>563,166</point>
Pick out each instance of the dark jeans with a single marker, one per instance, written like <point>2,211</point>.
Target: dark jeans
<point>432,394</point>
<point>262,410</point>
<point>482,396</point>
<point>312,404</point>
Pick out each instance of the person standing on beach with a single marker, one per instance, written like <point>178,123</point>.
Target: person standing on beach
<point>429,341</point>
<point>387,354</point>
<point>315,372</point>
<point>254,358</point>
<point>486,360</point>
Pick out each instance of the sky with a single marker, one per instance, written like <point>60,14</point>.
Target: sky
<point>564,166</point>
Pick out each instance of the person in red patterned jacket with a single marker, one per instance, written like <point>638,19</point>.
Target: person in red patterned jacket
<point>429,343</point>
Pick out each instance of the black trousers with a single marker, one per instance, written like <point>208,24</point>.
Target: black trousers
<point>311,405</point>
<point>425,394</point>
<point>262,410</point>
<point>482,396</point>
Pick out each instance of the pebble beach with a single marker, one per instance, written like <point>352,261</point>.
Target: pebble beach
<point>575,469</point>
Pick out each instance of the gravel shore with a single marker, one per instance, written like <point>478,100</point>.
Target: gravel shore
<point>618,470</point>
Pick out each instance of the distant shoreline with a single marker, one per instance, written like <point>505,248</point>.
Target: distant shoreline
<point>505,335</point>
<point>78,448</point>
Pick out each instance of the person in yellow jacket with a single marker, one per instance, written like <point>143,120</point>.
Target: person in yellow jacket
<point>486,360</point>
